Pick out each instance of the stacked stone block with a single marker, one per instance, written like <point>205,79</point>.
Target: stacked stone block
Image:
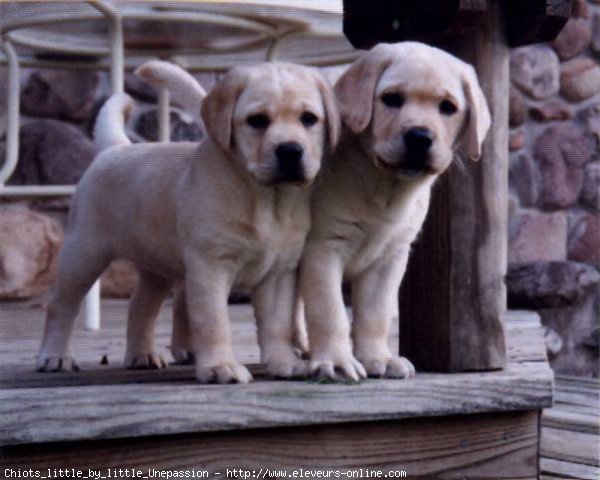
<point>554,183</point>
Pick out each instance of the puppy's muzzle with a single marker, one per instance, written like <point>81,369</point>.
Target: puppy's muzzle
<point>417,145</point>
<point>289,162</point>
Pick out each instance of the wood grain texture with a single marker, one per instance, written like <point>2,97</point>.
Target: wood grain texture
<point>570,446</point>
<point>489,446</point>
<point>562,418</point>
<point>31,415</point>
<point>453,298</point>
<point>105,401</point>
<point>22,328</point>
<point>567,470</point>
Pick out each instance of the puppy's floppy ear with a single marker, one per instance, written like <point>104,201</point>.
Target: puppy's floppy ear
<point>218,106</point>
<point>331,110</point>
<point>355,88</point>
<point>479,120</point>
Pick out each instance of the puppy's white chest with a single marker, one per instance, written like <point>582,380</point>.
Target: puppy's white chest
<point>383,237</point>
<point>273,245</point>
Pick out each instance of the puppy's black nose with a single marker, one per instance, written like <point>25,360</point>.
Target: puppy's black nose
<point>289,152</point>
<point>289,158</point>
<point>418,140</point>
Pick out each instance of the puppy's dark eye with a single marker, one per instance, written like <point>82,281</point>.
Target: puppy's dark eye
<point>259,121</point>
<point>448,108</point>
<point>393,100</point>
<point>308,119</point>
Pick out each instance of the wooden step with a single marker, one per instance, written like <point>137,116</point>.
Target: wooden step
<point>105,401</point>
<point>570,446</point>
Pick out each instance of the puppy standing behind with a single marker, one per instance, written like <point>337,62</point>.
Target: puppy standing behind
<point>230,212</point>
<point>407,108</point>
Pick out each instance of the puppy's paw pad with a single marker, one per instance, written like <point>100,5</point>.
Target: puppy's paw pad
<point>290,368</point>
<point>57,363</point>
<point>343,370</point>
<point>145,361</point>
<point>183,356</point>
<point>224,373</point>
<point>393,367</point>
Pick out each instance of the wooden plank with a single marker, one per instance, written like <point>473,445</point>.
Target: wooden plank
<point>592,410</point>
<point>23,325</point>
<point>571,431</point>
<point>30,415</point>
<point>580,399</point>
<point>580,384</point>
<point>590,389</point>
<point>454,297</point>
<point>157,389</point>
<point>569,446</point>
<point>524,338</point>
<point>559,417</point>
<point>568,470</point>
<point>498,446</point>
<point>577,404</point>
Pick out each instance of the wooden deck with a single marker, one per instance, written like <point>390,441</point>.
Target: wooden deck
<point>170,413</point>
<point>571,431</point>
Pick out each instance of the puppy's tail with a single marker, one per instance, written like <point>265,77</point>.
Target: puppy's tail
<point>109,130</point>
<point>184,89</point>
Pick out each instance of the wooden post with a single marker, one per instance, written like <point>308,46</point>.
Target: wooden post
<point>453,298</point>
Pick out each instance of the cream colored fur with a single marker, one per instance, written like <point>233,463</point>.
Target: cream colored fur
<point>183,88</point>
<point>367,210</point>
<point>109,130</point>
<point>368,207</point>
<point>212,214</point>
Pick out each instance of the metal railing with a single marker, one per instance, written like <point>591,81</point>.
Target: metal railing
<point>11,36</point>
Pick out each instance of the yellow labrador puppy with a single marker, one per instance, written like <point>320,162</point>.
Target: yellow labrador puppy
<point>407,109</point>
<point>185,91</point>
<point>230,211</point>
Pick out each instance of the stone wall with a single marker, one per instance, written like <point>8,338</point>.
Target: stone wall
<point>554,181</point>
<point>554,229</point>
<point>58,110</point>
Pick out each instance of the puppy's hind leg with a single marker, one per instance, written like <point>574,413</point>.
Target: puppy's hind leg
<point>79,267</point>
<point>181,338</point>
<point>143,310</point>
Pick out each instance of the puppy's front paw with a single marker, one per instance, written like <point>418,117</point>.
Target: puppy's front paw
<point>145,361</point>
<point>227,372</point>
<point>56,363</point>
<point>183,356</point>
<point>289,367</point>
<point>341,369</point>
<point>390,367</point>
